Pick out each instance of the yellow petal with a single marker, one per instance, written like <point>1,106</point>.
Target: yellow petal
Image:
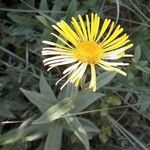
<point>113,36</point>
<point>123,37</point>
<point>66,35</point>
<point>103,29</point>
<point>88,26</point>
<point>109,32</point>
<point>118,51</point>
<point>110,68</point>
<point>83,26</point>
<point>62,40</point>
<point>117,45</point>
<point>93,78</point>
<point>94,26</point>
<point>77,28</point>
<point>66,28</point>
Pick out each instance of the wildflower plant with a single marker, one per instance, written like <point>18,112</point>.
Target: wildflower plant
<point>87,43</point>
<point>88,51</point>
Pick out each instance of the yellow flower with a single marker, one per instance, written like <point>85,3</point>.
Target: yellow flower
<point>86,44</point>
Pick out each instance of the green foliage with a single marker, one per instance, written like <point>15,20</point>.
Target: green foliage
<point>113,100</point>
<point>22,20</point>
<point>89,126</point>
<point>43,5</point>
<point>53,113</point>
<point>5,111</point>
<point>56,111</point>
<point>103,79</point>
<point>115,117</point>
<point>71,11</point>
<point>27,133</point>
<point>106,132</point>
<point>78,130</point>
<point>85,99</point>
<point>43,20</point>
<point>54,137</point>
<point>45,89</point>
<point>37,99</point>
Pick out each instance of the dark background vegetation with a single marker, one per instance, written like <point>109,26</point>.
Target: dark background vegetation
<point>24,24</point>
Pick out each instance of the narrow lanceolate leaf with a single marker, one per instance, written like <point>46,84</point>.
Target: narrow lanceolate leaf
<point>46,90</point>
<point>86,99</point>
<point>43,5</point>
<point>43,20</point>
<point>56,111</point>
<point>54,138</point>
<point>37,99</point>
<point>71,11</point>
<point>22,133</point>
<point>137,53</point>
<point>21,20</point>
<point>105,78</point>
<point>78,130</point>
<point>56,7</point>
<point>70,90</point>
<point>20,145</point>
<point>89,126</point>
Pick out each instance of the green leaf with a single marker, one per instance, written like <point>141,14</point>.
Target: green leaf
<point>137,53</point>
<point>43,20</point>
<point>143,100</point>
<point>132,139</point>
<point>21,20</point>
<point>37,99</point>
<point>146,51</point>
<point>5,112</point>
<point>57,7</point>
<point>88,126</point>
<point>106,132</point>
<point>20,145</point>
<point>86,99</point>
<point>46,90</point>
<point>103,136</point>
<point>104,112</point>
<point>56,111</point>
<point>70,90</point>
<point>45,34</point>
<point>54,138</point>
<point>78,130</point>
<point>43,5</point>
<point>143,68</point>
<point>113,100</point>
<point>38,132</point>
<point>24,6</point>
<point>22,132</point>
<point>71,11</point>
<point>104,78</point>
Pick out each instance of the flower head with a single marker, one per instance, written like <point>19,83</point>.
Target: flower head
<point>87,44</point>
